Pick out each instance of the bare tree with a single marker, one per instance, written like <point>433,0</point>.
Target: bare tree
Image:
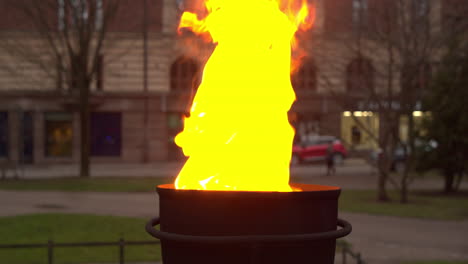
<point>396,43</point>
<point>66,42</point>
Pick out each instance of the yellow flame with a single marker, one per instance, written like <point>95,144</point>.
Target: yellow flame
<point>238,136</point>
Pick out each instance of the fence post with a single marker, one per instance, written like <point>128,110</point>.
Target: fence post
<point>359,260</point>
<point>121,251</point>
<point>50,252</point>
<point>343,253</point>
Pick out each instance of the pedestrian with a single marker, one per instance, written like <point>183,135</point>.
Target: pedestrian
<point>330,161</point>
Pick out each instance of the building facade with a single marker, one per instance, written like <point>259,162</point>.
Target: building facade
<point>144,87</point>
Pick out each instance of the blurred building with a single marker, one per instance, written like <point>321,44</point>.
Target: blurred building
<point>135,120</point>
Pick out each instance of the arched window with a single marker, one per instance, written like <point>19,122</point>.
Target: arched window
<point>360,76</point>
<point>184,74</point>
<point>359,13</point>
<point>305,79</point>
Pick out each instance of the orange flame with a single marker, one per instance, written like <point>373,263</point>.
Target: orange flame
<point>238,136</point>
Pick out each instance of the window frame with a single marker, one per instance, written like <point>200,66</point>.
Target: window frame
<point>184,71</point>
<point>7,134</point>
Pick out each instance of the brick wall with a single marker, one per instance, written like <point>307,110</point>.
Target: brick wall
<point>130,16</point>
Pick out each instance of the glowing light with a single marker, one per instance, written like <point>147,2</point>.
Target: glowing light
<point>238,136</point>
<point>417,113</point>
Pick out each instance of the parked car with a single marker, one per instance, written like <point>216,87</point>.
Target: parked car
<point>315,149</point>
<point>398,159</point>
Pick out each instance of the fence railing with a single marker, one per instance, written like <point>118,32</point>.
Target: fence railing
<point>51,245</point>
<point>346,251</point>
<point>122,243</point>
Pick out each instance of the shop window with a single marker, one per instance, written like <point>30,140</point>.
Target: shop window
<point>106,134</point>
<point>58,134</point>
<point>359,128</point>
<point>184,74</point>
<point>3,134</point>
<point>360,76</point>
<point>305,79</point>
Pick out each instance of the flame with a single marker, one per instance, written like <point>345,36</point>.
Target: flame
<point>238,136</point>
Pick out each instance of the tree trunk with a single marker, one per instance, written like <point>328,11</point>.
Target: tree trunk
<point>449,180</point>
<point>409,151</point>
<point>382,195</point>
<point>384,166</point>
<point>404,193</point>
<point>459,180</point>
<point>85,131</point>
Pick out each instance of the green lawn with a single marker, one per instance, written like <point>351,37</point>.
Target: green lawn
<point>69,228</point>
<point>429,205</point>
<point>101,184</point>
<point>74,228</point>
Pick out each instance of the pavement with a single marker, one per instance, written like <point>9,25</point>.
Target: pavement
<point>353,174</point>
<point>380,239</point>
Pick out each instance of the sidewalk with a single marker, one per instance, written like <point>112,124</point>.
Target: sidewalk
<point>353,174</point>
<point>165,169</point>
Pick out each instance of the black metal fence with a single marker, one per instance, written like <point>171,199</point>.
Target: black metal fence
<point>346,251</point>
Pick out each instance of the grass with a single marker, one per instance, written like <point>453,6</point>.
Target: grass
<point>101,184</point>
<point>68,228</point>
<point>74,228</point>
<point>423,204</point>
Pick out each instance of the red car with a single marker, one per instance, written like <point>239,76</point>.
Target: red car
<point>315,149</point>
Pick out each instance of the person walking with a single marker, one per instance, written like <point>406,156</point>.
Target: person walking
<point>330,161</point>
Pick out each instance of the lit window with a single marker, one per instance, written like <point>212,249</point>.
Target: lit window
<point>3,134</point>
<point>58,134</point>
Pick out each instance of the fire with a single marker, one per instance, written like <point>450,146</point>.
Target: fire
<point>238,136</point>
